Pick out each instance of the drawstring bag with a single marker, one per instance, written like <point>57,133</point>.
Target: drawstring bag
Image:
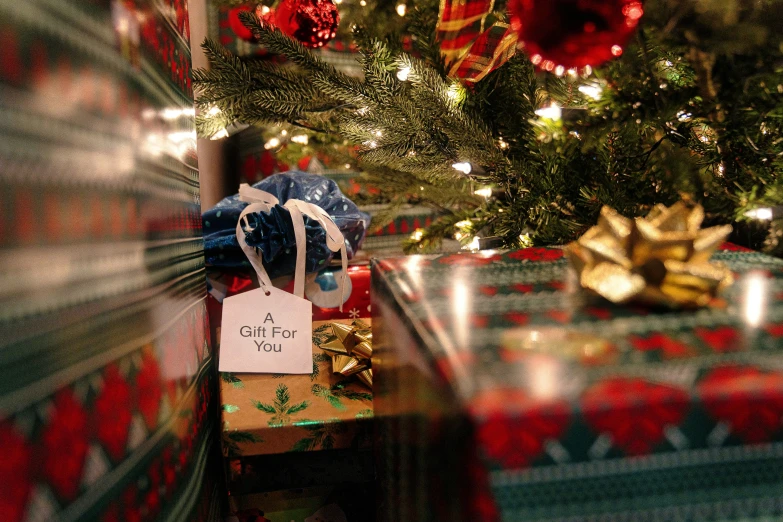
<point>270,229</point>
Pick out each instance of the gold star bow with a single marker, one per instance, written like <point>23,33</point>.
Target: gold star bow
<point>351,349</point>
<point>660,259</point>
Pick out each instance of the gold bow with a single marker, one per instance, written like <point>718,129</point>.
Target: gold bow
<point>660,259</point>
<point>351,349</point>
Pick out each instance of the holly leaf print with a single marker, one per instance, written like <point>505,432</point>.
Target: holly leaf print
<point>266,408</point>
<point>296,408</point>
<point>306,444</point>
<point>318,358</point>
<point>230,378</point>
<point>365,414</point>
<point>326,393</point>
<point>321,333</point>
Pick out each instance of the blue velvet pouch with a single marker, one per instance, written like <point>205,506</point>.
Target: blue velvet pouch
<point>272,233</point>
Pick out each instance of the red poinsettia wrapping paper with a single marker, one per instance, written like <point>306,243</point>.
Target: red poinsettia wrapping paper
<point>503,391</point>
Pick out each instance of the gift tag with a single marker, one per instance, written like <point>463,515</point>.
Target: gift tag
<point>266,333</point>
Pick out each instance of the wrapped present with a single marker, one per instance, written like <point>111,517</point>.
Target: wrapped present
<point>281,417</point>
<point>505,392</point>
<point>270,229</point>
<point>346,503</point>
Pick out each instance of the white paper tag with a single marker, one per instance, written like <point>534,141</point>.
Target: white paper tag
<point>266,333</point>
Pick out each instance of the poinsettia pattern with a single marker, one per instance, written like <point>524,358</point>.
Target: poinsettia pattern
<point>749,400</point>
<point>633,412</point>
<point>513,426</point>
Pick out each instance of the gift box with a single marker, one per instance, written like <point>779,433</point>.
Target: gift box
<point>504,392</point>
<point>291,431</point>
<point>317,504</point>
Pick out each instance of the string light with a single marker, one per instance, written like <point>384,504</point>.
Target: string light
<point>271,144</point>
<point>378,134</point>
<point>222,133</point>
<point>417,234</point>
<point>363,3</point>
<point>559,70</point>
<point>463,167</point>
<point>401,9</point>
<point>762,214</point>
<point>485,192</point>
<point>592,90</point>
<point>503,144</point>
<point>265,10</point>
<point>525,241</point>
<point>684,116</point>
<point>455,92</point>
<point>474,244</point>
<point>284,132</point>
<point>403,72</point>
<point>173,114</point>
<point>552,112</point>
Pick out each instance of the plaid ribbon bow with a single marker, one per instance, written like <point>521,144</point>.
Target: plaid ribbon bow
<point>471,49</point>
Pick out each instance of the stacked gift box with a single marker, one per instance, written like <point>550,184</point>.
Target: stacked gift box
<point>504,393</point>
<point>296,445</point>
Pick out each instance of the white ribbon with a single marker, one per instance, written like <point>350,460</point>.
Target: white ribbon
<point>261,201</point>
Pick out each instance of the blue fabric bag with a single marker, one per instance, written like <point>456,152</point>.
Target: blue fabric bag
<point>273,233</point>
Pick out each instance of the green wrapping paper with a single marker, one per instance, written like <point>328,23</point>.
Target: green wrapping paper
<point>505,392</point>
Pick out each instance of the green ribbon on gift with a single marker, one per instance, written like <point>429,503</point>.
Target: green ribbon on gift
<point>350,346</point>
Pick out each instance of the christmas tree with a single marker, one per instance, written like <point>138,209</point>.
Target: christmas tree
<point>507,143</point>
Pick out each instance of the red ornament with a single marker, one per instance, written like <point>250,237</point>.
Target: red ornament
<point>312,22</point>
<point>570,34</point>
<point>237,26</point>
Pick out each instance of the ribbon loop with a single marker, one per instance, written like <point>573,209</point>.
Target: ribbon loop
<point>261,201</point>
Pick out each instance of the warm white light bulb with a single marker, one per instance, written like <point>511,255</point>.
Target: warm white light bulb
<point>222,133</point>
<point>454,92</point>
<point>763,214</point>
<point>591,90</point>
<point>271,144</point>
<point>401,8</point>
<point>463,167</point>
<point>403,72</point>
<point>485,192</point>
<point>552,112</point>
<point>301,139</point>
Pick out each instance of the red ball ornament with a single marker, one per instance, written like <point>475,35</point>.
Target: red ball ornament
<point>237,26</point>
<point>567,34</point>
<point>312,22</point>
